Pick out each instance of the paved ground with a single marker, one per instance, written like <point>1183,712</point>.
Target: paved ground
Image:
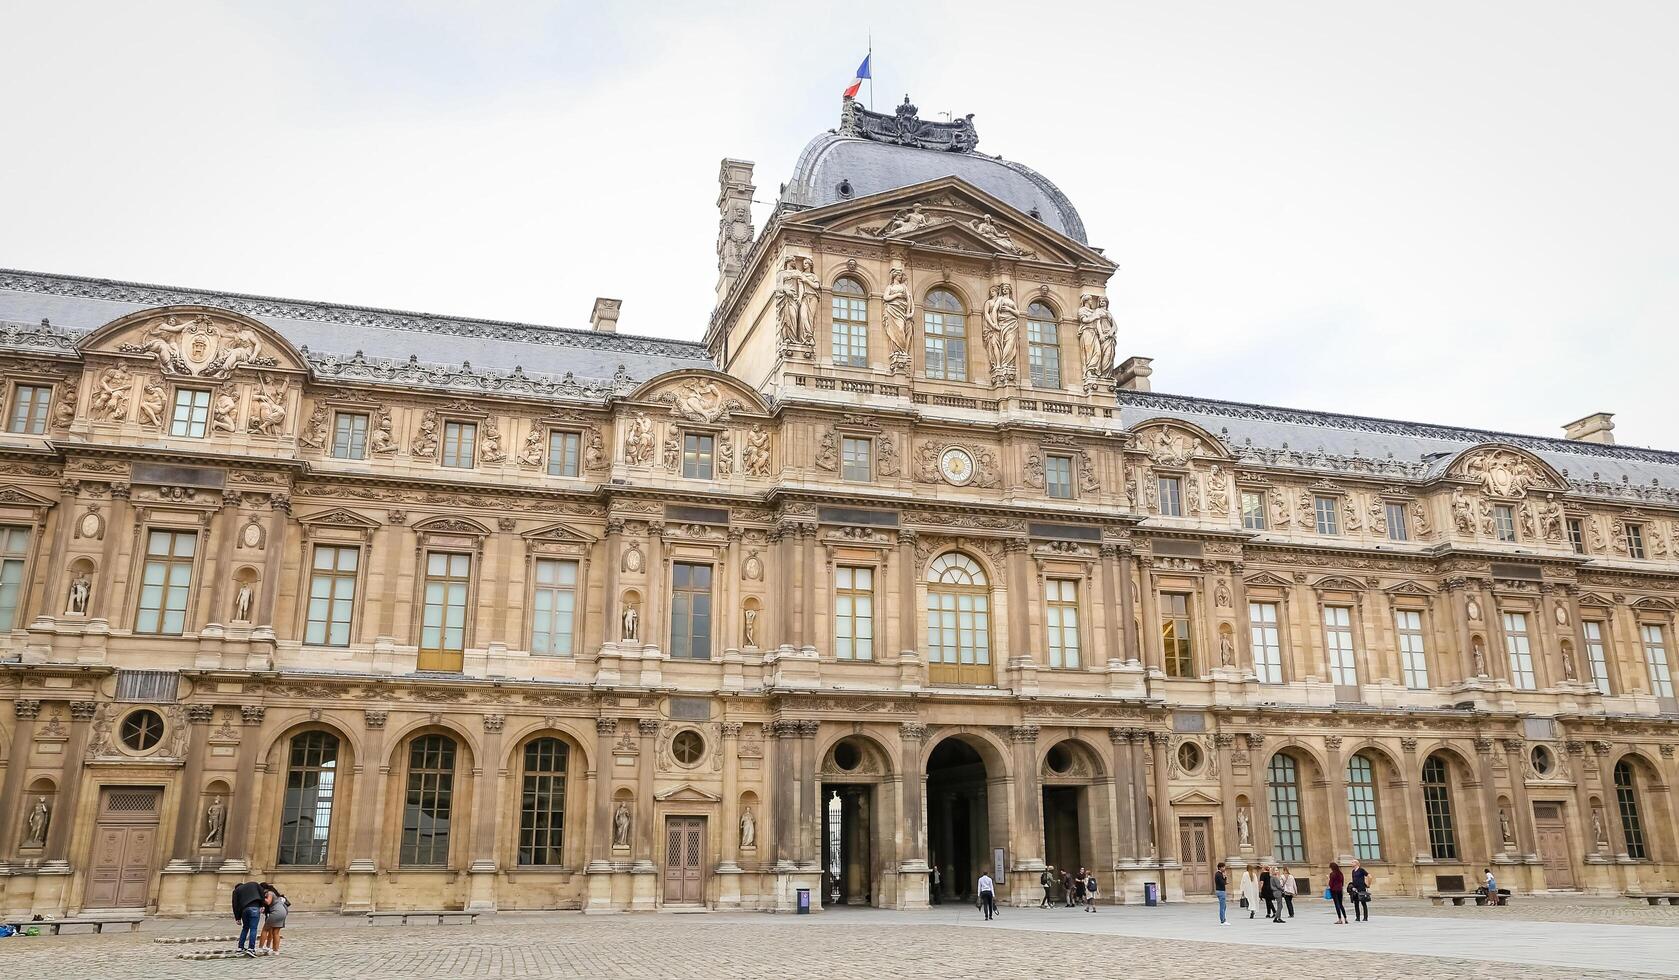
<point>1179,941</point>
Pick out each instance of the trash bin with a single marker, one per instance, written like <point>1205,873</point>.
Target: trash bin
<point>1151,894</point>
<point>804,901</point>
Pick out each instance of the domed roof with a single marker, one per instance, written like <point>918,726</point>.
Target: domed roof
<point>873,152</point>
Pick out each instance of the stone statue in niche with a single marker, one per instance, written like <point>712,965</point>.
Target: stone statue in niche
<point>796,291</point>
<point>215,822</point>
<point>242,603</point>
<point>151,404</point>
<point>110,394</point>
<point>1098,337</point>
<point>1226,648</point>
<point>748,828</point>
<point>1476,647</point>
<point>621,825</point>
<point>1244,827</point>
<point>268,407</point>
<point>81,589</point>
<point>749,628</point>
<point>755,456</point>
<point>1567,660</point>
<point>226,405</point>
<point>1504,830</point>
<point>1600,835</point>
<point>490,450</point>
<point>897,308</point>
<point>631,623</point>
<point>40,818</point>
<point>638,441</point>
<point>1002,320</point>
<point>382,443</point>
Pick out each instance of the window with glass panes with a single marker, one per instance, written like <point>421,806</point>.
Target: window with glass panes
<point>30,404</point>
<point>428,803</point>
<point>306,807</point>
<point>1283,789</point>
<point>851,323</point>
<point>443,620</point>
<point>332,595</point>
<point>1253,510</point>
<point>14,554</point>
<point>1504,522</point>
<point>1176,644</point>
<point>542,803</point>
<point>1265,637</point>
<point>166,582</point>
<point>1413,654</point>
<point>460,444</point>
<point>856,459</point>
<point>1626,798</point>
<point>697,454</point>
<point>944,336</point>
<point>690,611</point>
<point>1325,509</point>
<point>1058,477</point>
<point>854,612</point>
<point>563,449</point>
<point>1361,809</point>
<point>191,416</point>
<point>1061,617</point>
<point>1576,536</point>
<point>1437,809</point>
<point>349,435</point>
<point>1596,659</point>
<point>1338,640</point>
<point>1043,346</point>
<point>1395,514</point>
<point>958,611</point>
<point>1635,541</point>
<point>1516,645</point>
<point>1655,658</point>
<point>553,607</point>
<point>1171,496</point>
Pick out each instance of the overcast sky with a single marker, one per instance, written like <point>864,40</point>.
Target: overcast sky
<point>1443,211</point>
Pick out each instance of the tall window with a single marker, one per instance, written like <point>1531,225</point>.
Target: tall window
<point>1061,616</point>
<point>1338,639</point>
<point>1626,796</point>
<point>853,613</point>
<point>460,442</point>
<point>29,409</point>
<point>443,621</point>
<point>429,802</point>
<point>690,611</point>
<point>306,810</point>
<point>1325,509</point>
<point>1655,658</point>
<point>856,459</point>
<point>958,612</point>
<point>851,323</point>
<point>1437,809</point>
<point>1283,789</point>
<point>946,337</point>
<point>1265,638</point>
<point>14,554</point>
<point>166,582</point>
<point>1058,477</point>
<point>554,607</point>
<point>1595,656</point>
<point>192,413</point>
<point>1504,522</point>
<point>1521,654</point>
<point>1043,346</point>
<point>1576,535</point>
<point>349,435</point>
<point>1361,809</point>
<point>332,595</point>
<point>1413,655</point>
<point>1176,642</point>
<point>1395,514</point>
<point>542,803</point>
<point>1171,496</point>
<point>1253,510</point>
<point>1635,541</point>
<point>697,454</point>
<point>563,448</point>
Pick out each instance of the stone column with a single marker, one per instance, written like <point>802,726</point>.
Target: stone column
<point>810,803</point>
<point>648,729</point>
<point>1515,760</point>
<point>224,532</point>
<point>1422,851</point>
<point>1229,836</point>
<point>913,848</point>
<point>1260,814</point>
<point>1576,751</point>
<point>1150,640</point>
<point>1335,782</point>
<point>1128,610</point>
<point>118,525</point>
<point>189,828</point>
<point>610,622</point>
<point>54,600</point>
<point>1125,796</point>
<point>786,537</point>
<point>489,781</point>
<point>908,640</point>
<point>1166,832</point>
<point>370,780</point>
<point>731,814</point>
<point>1020,601</point>
<point>1138,742</point>
<point>600,823</point>
<point>1243,624</point>
<point>729,591</point>
<point>807,587</point>
<point>1489,796</point>
<point>25,710</point>
<point>1028,843</point>
<point>70,779</point>
<point>783,791</point>
<point>236,852</point>
<point>274,559</point>
<point>655,620</point>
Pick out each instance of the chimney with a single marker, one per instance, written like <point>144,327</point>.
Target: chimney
<point>604,317</point>
<point>734,221</point>
<point>1133,373</point>
<point>1597,427</point>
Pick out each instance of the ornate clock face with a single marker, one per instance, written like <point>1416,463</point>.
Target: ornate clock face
<point>956,466</point>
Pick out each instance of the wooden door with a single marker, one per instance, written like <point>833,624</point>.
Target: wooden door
<point>1194,835</point>
<point>684,860</point>
<point>124,844</point>
<point>1551,827</point>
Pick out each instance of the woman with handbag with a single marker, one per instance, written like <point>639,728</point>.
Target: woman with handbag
<point>1289,888</point>
<point>1337,887</point>
<point>1360,892</point>
<point>1250,891</point>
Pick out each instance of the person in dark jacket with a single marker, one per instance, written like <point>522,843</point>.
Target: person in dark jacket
<point>247,908</point>
<point>1067,888</point>
<point>1359,889</point>
<point>1337,890</point>
<point>1221,884</point>
<point>1047,879</point>
<point>1267,891</point>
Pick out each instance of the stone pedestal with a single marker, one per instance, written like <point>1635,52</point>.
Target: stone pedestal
<point>599,900</point>
<point>359,879</point>
<point>644,887</point>
<point>913,885</point>
<point>481,887</point>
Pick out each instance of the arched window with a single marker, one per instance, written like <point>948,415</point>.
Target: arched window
<point>1437,809</point>
<point>1283,789</point>
<point>429,802</point>
<point>1361,809</point>
<point>958,620</point>
<point>306,808</point>
<point>1043,346</point>
<point>945,330</point>
<point>1626,796</point>
<point>542,803</point>
<point>851,323</point>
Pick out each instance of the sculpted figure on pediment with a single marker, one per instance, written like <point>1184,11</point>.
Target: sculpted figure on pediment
<point>700,400</point>
<point>111,394</point>
<point>1002,320</point>
<point>1501,473</point>
<point>904,222</point>
<point>897,312</point>
<point>199,346</point>
<point>1170,447</point>
<point>996,234</point>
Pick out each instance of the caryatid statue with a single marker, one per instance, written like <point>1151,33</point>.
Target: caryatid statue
<point>1002,320</point>
<point>621,825</point>
<point>897,308</point>
<point>1098,337</point>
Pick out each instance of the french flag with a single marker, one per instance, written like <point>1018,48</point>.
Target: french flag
<point>862,73</point>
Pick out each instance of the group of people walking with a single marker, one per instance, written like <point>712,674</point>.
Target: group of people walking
<point>1273,890</point>
<point>1068,889</point>
<point>261,910</point>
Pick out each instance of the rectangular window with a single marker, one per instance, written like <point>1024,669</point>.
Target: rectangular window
<point>1521,654</point>
<point>14,554</point>
<point>1437,810</point>
<point>1635,540</point>
<point>563,449</point>
<point>1413,655</point>
<point>856,459</point>
<point>1171,496</point>
<point>29,409</point>
<point>306,807</point>
<point>1176,644</point>
<point>332,595</point>
<point>853,613</point>
<point>1253,510</point>
<point>460,444</point>
<point>1595,656</point>
<point>166,582</point>
<point>1328,515</point>
<point>946,350</point>
<point>697,455</point>
<point>1396,522</point>
<point>349,435</point>
<point>1265,636</point>
<point>851,325</point>
<point>443,621</point>
<point>690,611</point>
<point>1338,639</point>
<point>1655,658</point>
<point>1058,477</point>
<point>1061,615</point>
<point>1504,523</point>
<point>1043,353</point>
<point>192,413</point>
<point>1576,535</point>
<point>1361,809</point>
<point>553,608</point>
<point>428,805</point>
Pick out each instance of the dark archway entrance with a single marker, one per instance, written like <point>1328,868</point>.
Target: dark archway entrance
<point>1063,837</point>
<point>847,834</point>
<point>958,824</point>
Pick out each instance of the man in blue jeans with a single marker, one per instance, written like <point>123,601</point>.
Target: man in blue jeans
<point>247,908</point>
<point>1219,885</point>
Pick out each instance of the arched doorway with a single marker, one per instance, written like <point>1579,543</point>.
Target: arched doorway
<point>855,830</point>
<point>1068,771</point>
<point>960,817</point>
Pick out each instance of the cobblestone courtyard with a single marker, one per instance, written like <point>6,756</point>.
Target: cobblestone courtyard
<point>1545,939</point>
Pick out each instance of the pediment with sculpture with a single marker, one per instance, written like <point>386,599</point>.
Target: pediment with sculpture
<point>196,342</point>
<point>1506,472</point>
<point>1175,443</point>
<point>701,396</point>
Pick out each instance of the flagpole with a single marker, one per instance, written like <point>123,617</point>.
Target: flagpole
<point>871,71</point>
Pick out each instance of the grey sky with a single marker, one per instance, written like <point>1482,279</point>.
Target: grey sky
<point>1454,212</point>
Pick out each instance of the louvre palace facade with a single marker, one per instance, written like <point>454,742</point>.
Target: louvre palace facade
<point>902,573</point>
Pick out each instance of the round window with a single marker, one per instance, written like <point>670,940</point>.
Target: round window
<point>1189,757</point>
<point>846,756</point>
<point>1060,760</point>
<point>1543,762</point>
<point>688,747</point>
<point>142,730</point>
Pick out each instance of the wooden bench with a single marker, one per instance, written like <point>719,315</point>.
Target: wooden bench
<point>1656,898</point>
<point>1479,897</point>
<point>54,927</point>
<point>421,917</point>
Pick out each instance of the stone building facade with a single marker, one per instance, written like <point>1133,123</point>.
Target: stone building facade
<point>893,578</point>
